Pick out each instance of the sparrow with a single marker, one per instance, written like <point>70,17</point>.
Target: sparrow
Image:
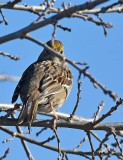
<point>44,85</point>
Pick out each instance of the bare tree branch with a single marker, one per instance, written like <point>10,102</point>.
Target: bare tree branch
<point>100,107</point>
<point>10,56</point>
<point>4,77</point>
<point>118,103</point>
<point>4,19</point>
<point>41,8</point>
<point>66,124</point>
<point>59,16</point>
<point>91,144</point>
<point>11,107</point>
<point>25,146</point>
<point>78,96</point>
<point>6,154</point>
<point>51,147</point>
<point>117,141</point>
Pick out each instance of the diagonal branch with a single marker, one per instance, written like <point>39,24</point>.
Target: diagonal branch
<point>91,144</point>
<point>82,71</point>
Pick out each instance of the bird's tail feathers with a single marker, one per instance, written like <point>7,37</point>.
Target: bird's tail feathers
<point>28,112</point>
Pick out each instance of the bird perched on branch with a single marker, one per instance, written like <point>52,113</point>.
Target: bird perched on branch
<point>44,85</point>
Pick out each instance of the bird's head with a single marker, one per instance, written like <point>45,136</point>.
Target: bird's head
<point>48,55</point>
<point>56,45</point>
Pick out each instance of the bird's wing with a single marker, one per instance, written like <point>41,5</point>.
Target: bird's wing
<point>55,79</point>
<point>20,83</point>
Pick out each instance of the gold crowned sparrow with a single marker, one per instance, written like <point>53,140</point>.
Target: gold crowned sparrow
<point>44,85</point>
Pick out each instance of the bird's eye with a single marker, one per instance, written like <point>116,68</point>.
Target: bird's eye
<point>61,51</point>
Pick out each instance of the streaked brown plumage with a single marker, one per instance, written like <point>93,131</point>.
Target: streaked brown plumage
<point>44,85</point>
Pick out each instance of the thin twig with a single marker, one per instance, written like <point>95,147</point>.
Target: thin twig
<point>5,154</point>
<point>54,31</point>
<point>42,16</point>
<point>103,141</point>
<point>105,144</point>
<point>10,56</point>
<point>64,155</point>
<point>100,107</point>
<point>115,144</point>
<point>81,63</point>
<point>118,103</point>
<point>64,28</point>
<point>80,144</point>
<point>10,111</point>
<point>58,142</point>
<point>117,141</point>
<point>25,146</point>
<point>91,19</point>
<point>9,139</point>
<point>104,25</point>
<point>78,96</point>
<point>48,139</point>
<point>14,2</point>
<point>112,5</point>
<point>91,144</point>
<point>4,19</point>
<point>39,132</point>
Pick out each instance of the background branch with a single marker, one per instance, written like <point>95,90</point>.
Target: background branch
<point>4,77</point>
<point>10,56</point>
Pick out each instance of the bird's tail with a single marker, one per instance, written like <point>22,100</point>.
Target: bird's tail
<point>28,112</point>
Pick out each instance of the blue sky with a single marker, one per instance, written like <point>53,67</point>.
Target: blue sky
<point>85,43</point>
